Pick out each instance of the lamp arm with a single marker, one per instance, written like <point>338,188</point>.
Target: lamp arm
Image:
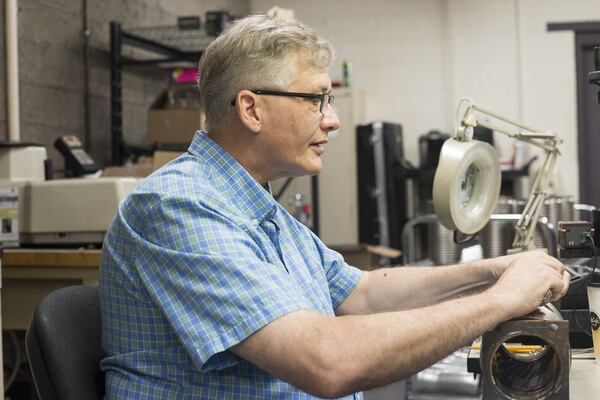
<point>499,117</point>
<point>548,141</point>
<point>527,223</point>
<point>538,139</point>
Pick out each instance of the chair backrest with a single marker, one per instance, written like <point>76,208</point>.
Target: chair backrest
<point>63,345</point>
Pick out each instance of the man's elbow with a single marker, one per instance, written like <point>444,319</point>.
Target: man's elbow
<point>328,385</point>
<point>331,377</point>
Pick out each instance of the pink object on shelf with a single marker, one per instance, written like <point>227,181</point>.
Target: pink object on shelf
<point>184,75</point>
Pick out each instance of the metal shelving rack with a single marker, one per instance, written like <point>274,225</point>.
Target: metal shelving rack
<point>170,45</point>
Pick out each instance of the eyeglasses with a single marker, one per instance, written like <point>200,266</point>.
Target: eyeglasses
<point>323,98</point>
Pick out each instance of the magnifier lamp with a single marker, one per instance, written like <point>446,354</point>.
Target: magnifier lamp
<point>467,181</point>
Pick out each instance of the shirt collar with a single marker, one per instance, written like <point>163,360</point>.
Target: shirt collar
<point>235,180</point>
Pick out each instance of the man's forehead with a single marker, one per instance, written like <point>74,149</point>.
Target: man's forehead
<point>312,80</point>
<point>308,76</point>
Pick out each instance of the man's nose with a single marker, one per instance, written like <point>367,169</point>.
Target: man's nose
<point>330,120</point>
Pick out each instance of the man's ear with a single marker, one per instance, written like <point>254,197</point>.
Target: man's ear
<point>248,110</point>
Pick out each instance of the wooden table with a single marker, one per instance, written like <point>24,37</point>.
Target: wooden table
<point>30,274</point>
<point>27,275</point>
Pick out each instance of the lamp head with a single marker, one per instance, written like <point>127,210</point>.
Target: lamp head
<point>466,184</point>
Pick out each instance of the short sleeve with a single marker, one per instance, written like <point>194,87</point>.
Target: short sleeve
<point>206,275</point>
<point>341,277</point>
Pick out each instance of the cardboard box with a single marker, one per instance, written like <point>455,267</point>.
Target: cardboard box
<point>367,257</point>
<point>162,157</point>
<point>134,171</point>
<point>175,115</point>
<point>142,169</point>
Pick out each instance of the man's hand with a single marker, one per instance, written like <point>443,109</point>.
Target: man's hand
<point>525,280</point>
<point>497,266</point>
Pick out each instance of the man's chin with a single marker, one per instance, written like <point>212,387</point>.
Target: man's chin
<point>303,169</point>
<point>306,171</point>
<point>314,169</point>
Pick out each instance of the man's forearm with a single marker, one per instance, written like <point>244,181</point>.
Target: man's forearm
<point>385,347</point>
<point>401,288</point>
<point>335,356</point>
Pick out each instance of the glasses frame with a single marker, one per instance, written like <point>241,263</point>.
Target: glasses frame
<point>322,97</point>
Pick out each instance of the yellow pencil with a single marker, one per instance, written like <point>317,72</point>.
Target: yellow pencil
<point>516,348</point>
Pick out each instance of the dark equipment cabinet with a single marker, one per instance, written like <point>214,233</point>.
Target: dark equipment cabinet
<point>381,184</point>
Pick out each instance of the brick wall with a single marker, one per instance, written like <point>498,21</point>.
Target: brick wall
<point>52,68</point>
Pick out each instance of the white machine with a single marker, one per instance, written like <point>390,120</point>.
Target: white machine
<point>62,211</point>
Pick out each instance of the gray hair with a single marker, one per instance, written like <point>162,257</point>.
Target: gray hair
<point>253,54</point>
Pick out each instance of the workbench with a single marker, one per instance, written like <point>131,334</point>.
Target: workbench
<point>584,379</point>
<point>30,274</point>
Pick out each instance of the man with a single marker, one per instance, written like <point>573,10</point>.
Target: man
<point>210,289</point>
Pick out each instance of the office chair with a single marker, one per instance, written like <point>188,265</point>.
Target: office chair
<point>63,345</point>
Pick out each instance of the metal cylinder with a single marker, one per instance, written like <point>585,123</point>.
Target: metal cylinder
<point>558,208</point>
<point>540,373</point>
<point>495,236</point>
<point>442,249</point>
<point>525,373</point>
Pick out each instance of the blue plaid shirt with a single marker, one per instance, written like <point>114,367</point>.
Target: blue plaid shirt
<point>198,258</point>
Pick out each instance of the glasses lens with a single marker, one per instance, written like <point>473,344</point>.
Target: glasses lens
<point>326,99</point>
